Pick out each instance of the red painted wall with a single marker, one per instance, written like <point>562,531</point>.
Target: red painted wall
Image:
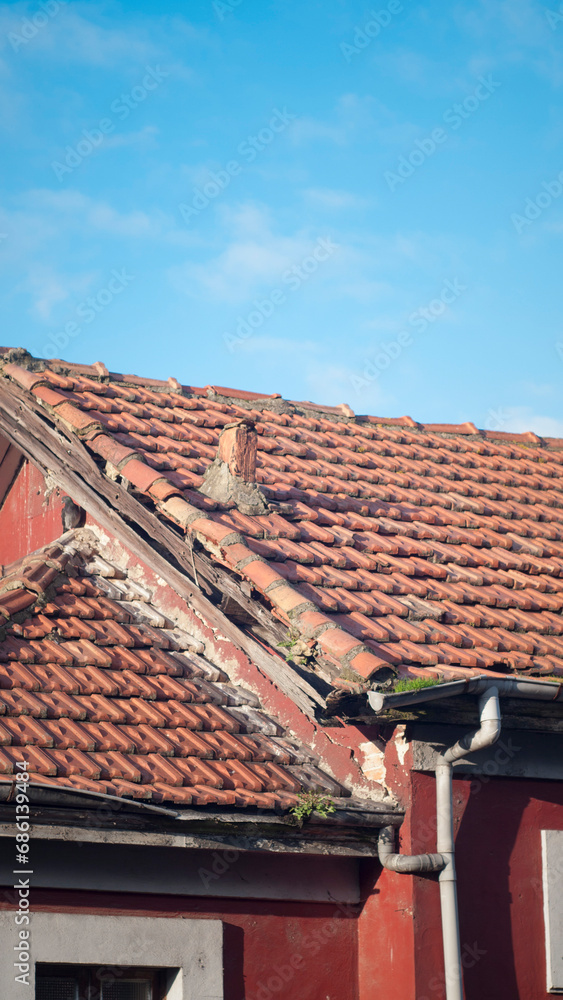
<point>28,519</point>
<point>498,853</point>
<point>393,950</point>
<point>272,951</point>
<point>386,935</point>
<point>386,932</point>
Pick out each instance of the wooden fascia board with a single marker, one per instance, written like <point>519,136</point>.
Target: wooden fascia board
<point>9,465</point>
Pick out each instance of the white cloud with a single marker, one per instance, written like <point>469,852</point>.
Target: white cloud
<point>331,199</point>
<point>254,257</point>
<point>515,33</point>
<point>366,268</point>
<point>49,289</point>
<point>69,36</point>
<point>352,117</point>
<point>281,346</point>
<point>330,384</point>
<point>519,419</point>
<point>145,137</point>
<point>542,389</point>
<point>44,222</point>
<point>310,130</point>
<point>327,382</point>
<point>73,210</point>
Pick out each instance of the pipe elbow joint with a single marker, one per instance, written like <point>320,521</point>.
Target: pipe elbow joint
<point>406,864</point>
<point>411,864</point>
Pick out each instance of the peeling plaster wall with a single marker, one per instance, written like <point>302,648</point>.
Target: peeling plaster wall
<point>339,746</point>
<point>31,517</point>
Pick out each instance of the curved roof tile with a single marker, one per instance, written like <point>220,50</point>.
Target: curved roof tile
<point>364,517</point>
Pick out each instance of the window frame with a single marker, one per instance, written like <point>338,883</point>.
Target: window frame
<point>552,879</point>
<point>88,981</point>
<point>189,950</point>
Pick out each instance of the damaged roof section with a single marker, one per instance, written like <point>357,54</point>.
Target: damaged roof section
<point>100,692</point>
<point>386,548</point>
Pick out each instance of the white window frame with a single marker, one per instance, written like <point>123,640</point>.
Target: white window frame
<point>552,873</point>
<point>192,948</point>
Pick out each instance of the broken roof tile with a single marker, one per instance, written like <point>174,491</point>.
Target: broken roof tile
<point>138,723</point>
<point>363,516</point>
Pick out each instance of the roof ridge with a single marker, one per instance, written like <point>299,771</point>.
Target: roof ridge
<point>455,499</point>
<point>19,364</point>
<point>231,548</point>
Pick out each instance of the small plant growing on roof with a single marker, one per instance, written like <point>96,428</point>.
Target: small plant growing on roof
<point>310,802</point>
<point>416,684</point>
<point>297,648</point>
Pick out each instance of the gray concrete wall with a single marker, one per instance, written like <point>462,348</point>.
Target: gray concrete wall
<point>517,754</point>
<point>191,949</point>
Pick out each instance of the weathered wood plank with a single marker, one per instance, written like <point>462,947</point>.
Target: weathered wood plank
<point>62,455</point>
<point>9,465</point>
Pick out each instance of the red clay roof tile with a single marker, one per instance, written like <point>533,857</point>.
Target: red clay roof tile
<point>373,510</point>
<point>151,752</point>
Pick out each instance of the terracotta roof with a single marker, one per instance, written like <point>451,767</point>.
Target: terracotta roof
<point>389,546</point>
<point>100,692</point>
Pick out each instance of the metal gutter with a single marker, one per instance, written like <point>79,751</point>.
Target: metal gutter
<point>508,687</point>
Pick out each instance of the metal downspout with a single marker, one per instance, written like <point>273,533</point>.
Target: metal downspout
<point>444,860</point>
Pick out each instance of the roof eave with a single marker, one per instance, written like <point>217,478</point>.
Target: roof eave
<point>509,687</point>
<point>60,813</point>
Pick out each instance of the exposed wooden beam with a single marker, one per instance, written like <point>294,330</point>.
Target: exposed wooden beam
<point>60,453</point>
<point>10,461</point>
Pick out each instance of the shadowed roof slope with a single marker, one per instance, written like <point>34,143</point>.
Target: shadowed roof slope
<point>386,546</point>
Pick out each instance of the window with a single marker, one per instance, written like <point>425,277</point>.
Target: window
<point>552,858</point>
<point>186,953</point>
<point>68,982</point>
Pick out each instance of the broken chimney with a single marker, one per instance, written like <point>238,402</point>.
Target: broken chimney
<point>231,478</point>
<point>237,448</point>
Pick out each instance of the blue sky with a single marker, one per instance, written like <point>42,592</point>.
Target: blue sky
<point>329,200</point>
